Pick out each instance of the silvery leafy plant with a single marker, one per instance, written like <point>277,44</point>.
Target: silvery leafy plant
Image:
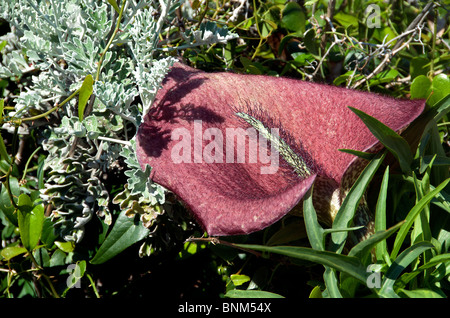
<point>96,67</point>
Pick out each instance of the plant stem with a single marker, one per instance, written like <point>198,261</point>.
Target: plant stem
<point>25,170</point>
<point>19,121</point>
<point>433,50</point>
<point>49,282</point>
<point>93,285</point>
<point>102,55</point>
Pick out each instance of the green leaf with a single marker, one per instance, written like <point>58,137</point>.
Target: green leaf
<point>238,280</point>
<point>440,88</point>
<point>65,246</point>
<point>237,293</point>
<point>3,152</point>
<point>346,212</point>
<point>438,161</point>
<point>293,18</point>
<point>401,262</point>
<point>85,93</point>
<point>126,232</point>
<point>31,220</point>
<point>3,44</point>
<point>2,105</point>
<point>380,218</point>
<point>331,282</point>
<point>421,293</point>
<point>438,259</point>
<point>48,236</point>
<point>385,34</point>
<point>347,264</point>
<point>6,205</point>
<point>360,154</point>
<point>114,5</point>
<point>364,247</point>
<point>420,87</point>
<point>310,43</point>
<point>415,211</point>
<point>316,293</point>
<point>386,76</point>
<point>398,146</point>
<point>346,20</point>
<point>77,272</point>
<point>313,228</point>
<point>418,66</point>
<point>310,2</point>
<point>442,107</point>
<point>12,251</point>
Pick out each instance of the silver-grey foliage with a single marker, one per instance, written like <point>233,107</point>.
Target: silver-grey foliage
<point>61,42</point>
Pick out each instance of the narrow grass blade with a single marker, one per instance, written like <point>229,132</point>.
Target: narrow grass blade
<point>401,262</point>
<point>438,259</point>
<point>422,293</point>
<point>331,282</point>
<point>238,293</point>
<point>313,228</point>
<point>347,264</point>
<point>348,208</point>
<point>360,154</point>
<point>363,248</point>
<point>396,144</point>
<point>2,105</point>
<point>381,251</point>
<point>412,216</point>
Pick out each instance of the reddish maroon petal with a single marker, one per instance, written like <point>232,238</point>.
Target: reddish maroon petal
<point>235,198</point>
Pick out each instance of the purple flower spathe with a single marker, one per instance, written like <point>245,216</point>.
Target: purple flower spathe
<point>229,198</point>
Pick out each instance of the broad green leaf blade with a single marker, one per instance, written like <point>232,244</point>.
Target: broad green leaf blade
<point>347,264</point>
<point>66,247</point>
<point>85,93</point>
<point>313,228</point>
<point>438,259</point>
<point>440,87</point>
<point>6,205</point>
<point>421,293</point>
<point>48,235</point>
<point>316,293</point>
<point>363,248</point>
<point>331,282</point>
<point>398,146</point>
<point>400,263</point>
<point>238,280</point>
<point>348,208</point>
<point>437,161</point>
<point>293,18</point>
<point>381,251</point>
<point>237,293</point>
<point>31,221</point>
<point>12,251</point>
<point>415,211</point>
<point>346,20</point>
<point>114,5</point>
<point>126,232</point>
<point>420,87</point>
